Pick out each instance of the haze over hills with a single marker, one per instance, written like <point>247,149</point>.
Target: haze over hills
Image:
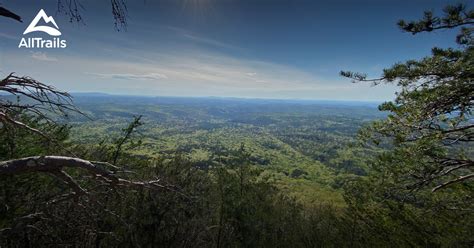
<point>296,141</point>
<point>159,99</point>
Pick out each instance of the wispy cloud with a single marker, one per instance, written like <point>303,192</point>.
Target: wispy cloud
<point>42,56</point>
<point>200,74</point>
<point>209,41</point>
<point>202,40</point>
<point>8,36</point>
<point>183,72</point>
<point>130,76</point>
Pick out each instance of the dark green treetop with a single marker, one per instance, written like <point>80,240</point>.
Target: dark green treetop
<point>430,121</point>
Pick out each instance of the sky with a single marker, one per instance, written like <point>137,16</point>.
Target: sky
<point>279,49</point>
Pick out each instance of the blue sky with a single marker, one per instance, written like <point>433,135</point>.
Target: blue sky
<point>252,48</point>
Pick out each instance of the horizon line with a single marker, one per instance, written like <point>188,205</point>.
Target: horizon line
<point>224,97</point>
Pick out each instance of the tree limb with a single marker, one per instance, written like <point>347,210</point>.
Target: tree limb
<point>56,164</point>
<point>459,179</point>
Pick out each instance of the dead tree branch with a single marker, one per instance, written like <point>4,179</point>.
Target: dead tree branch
<point>56,164</point>
<point>457,180</point>
<point>73,9</point>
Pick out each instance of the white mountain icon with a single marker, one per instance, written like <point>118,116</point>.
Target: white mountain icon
<point>47,19</point>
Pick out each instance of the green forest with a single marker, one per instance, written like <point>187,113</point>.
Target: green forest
<point>100,170</point>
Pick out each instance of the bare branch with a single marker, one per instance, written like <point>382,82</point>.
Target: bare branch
<point>9,14</point>
<point>56,164</point>
<point>4,118</point>
<point>66,178</point>
<point>73,9</point>
<point>457,180</point>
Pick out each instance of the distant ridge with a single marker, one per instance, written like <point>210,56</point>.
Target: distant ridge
<point>372,104</point>
<point>89,94</point>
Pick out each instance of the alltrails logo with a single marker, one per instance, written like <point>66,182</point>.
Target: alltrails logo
<point>38,42</point>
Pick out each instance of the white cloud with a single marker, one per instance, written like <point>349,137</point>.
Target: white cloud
<point>202,40</point>
<point>186,71</point>
<point>130,76</point>
<point>8,36</point>
<point>208,41</point>
<point>42,56</point>
<point>182,72</point>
